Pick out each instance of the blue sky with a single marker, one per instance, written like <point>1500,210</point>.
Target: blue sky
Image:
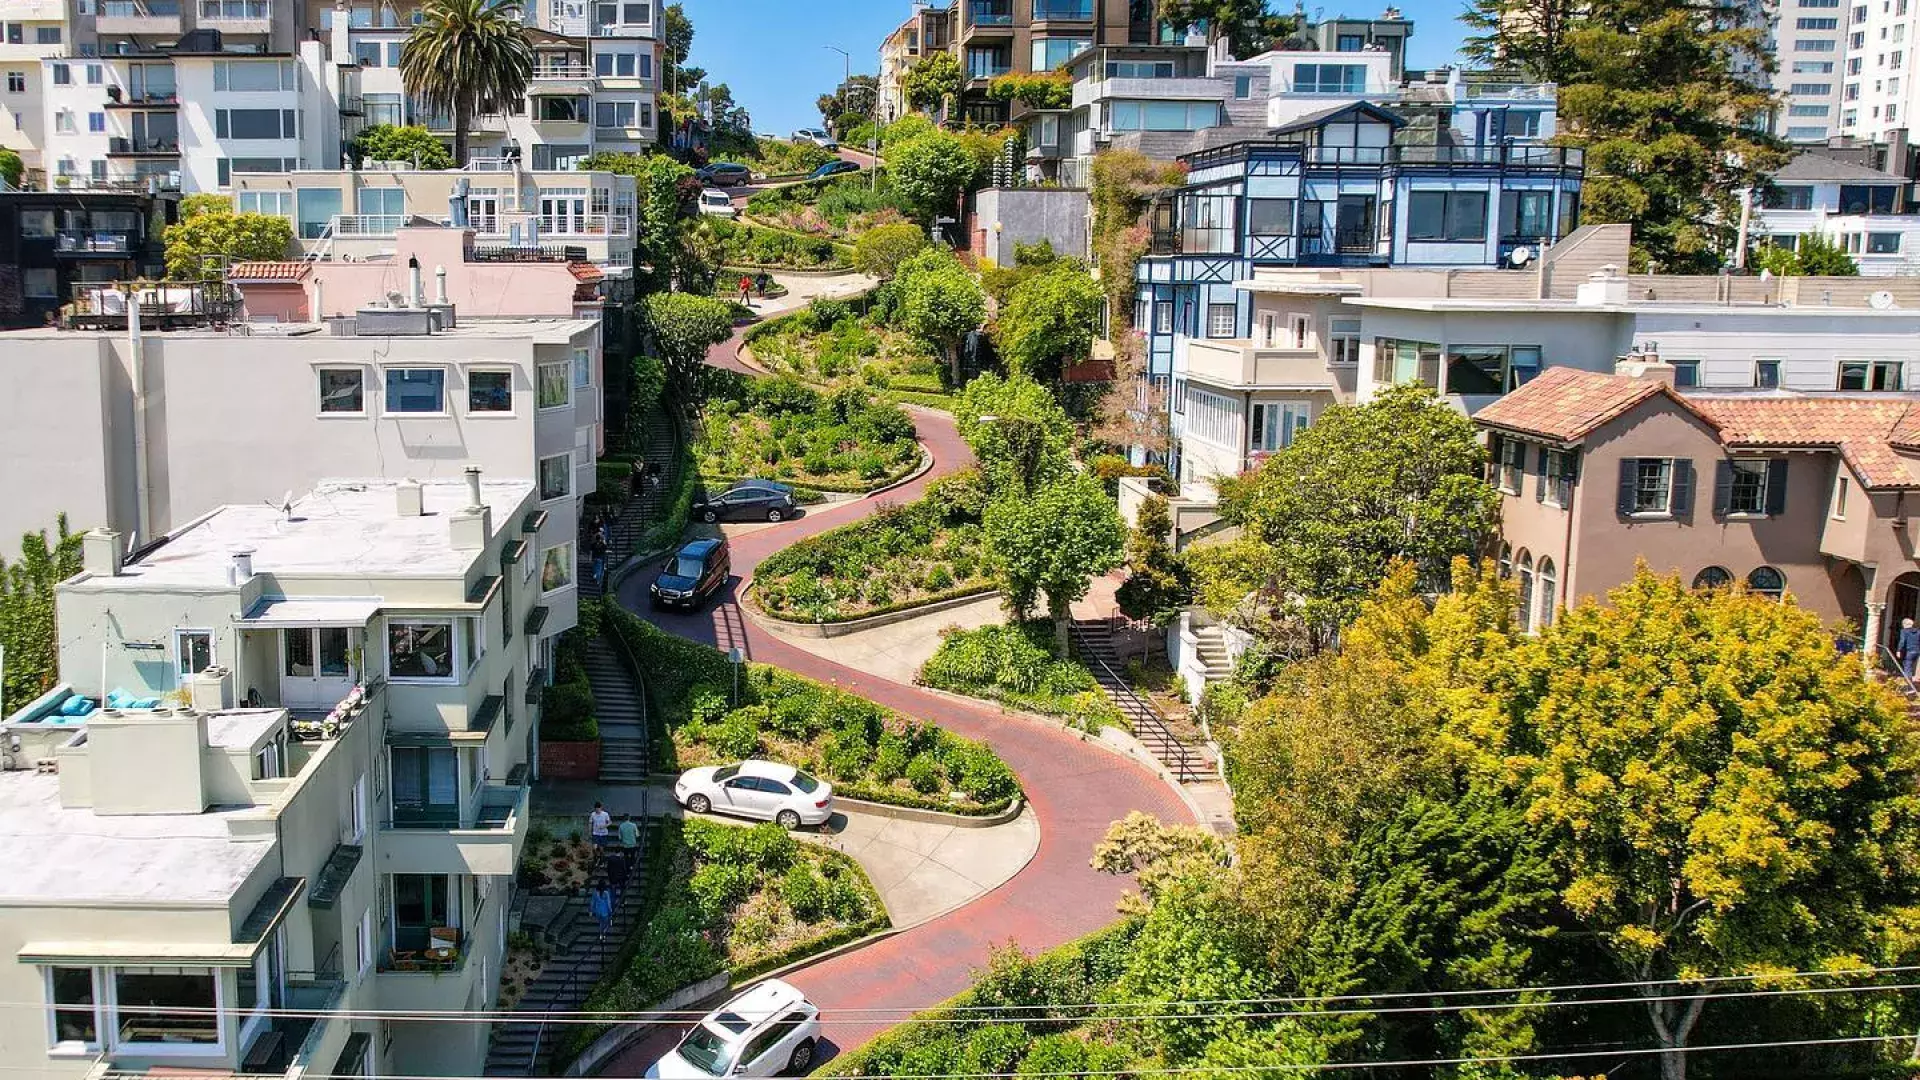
<point>774,55</point>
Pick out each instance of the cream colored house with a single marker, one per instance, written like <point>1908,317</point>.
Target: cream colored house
<point>321,817</point>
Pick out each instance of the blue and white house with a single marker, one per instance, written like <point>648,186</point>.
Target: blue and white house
<point>1345,187</point>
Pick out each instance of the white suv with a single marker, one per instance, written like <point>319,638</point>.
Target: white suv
<point>768,1030</point>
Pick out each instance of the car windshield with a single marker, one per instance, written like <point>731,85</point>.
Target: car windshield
<point>726,773</point>
<point>686,566</point>
<point>707,1052</point>
<point>805,783</point>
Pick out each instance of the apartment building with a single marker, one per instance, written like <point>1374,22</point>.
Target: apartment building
<point>1862,211</point>
<point>31,31</point>
<point>52,241</point>
<point>358,214</point>
<point>1386,34</point>
<point>302,802</point>
<point>1810,42</point>
<point>927,30</point>
<point>1782,492</point>
<point>1001,37</point>
<point>1878,96</point>
<point>141,432</point>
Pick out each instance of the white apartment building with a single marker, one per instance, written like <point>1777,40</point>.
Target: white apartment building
<point>143,434</point>
<point>1878,95</point>
<point>318,816</point>
<point>30,31</point>
<point>1862,211</point>
<point>1809,40</point>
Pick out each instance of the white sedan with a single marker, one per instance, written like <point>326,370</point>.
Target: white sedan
<point>769,1030</point>
<point>717,204</point>
<point>756,789</point>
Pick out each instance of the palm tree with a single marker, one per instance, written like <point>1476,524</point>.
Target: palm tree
<point>467,58</point>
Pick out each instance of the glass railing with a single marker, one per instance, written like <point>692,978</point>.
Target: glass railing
<point>139,9</point>
<point>1062,9</point>
<point>990,14</point>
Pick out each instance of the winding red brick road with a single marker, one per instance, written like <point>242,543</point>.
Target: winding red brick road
<point>1076,791</point>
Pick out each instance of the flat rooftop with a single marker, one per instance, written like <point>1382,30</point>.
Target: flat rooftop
<point>242,728</point>
<point>52,854</point>
<point>549,331</point>
<point>1635,307</point>
<point>341,528</point>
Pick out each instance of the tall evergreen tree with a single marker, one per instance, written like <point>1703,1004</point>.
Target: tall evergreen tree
<point>1667,99</point>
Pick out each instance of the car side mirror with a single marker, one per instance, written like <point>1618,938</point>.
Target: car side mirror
<point>740,1069</point>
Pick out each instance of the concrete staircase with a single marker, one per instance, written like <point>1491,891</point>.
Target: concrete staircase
<point>629,527</point>
<point>1215,660</point>
<point>579,958</point>
<point>1093,644</point>
<point>623,723</point>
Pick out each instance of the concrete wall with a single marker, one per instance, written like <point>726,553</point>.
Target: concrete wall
<point>1009,216</point>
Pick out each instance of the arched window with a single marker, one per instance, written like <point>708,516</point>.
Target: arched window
<point>1526,591</point>
<point>1549,592</point>
<point>1713,577</point>
<point>1506,561</point>
<point>1767,581</point>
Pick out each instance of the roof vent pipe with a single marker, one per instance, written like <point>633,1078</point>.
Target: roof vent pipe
<point>440,285</point>
<point>473,488</point>
<point>242,570</point>
<point>416,289</point>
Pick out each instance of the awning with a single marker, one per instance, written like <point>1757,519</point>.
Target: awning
<point>312,611</point>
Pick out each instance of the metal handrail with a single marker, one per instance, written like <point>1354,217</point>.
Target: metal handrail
<point>1186,766</point>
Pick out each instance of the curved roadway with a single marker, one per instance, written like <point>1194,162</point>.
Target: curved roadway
<point>1076,790</point>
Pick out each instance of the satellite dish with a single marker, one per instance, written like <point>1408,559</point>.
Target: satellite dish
<point>1520,256</point>
<point>1881,300</point>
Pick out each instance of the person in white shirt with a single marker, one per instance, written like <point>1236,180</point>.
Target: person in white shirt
<point>598,825</point>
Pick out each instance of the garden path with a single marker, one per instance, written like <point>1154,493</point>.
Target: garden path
<point>1075,790</point>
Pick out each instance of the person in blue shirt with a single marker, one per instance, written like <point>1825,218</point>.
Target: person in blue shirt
<point>600,906</point>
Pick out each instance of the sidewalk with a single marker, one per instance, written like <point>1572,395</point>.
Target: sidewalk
<point>802,290</point>
<point>895,651</point>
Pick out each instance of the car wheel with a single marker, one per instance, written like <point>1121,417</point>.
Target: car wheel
<point>801,1059</point>
<point>709,516</point>
<point>776,515</point>
<point>787,819</point>
<point>699,804</point>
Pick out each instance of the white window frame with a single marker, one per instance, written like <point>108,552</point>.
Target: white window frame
<point>507,413</point>
<point>582,369</point>
<point>566,367</point>
<point>363,949</point>
<point>1511,471</point>
<point>1163,316</point>
<point>357,811</point>
<point>539,471</point>
<point>55,1046</point>
<point>1666,507</point>
<point>1215,328</point>
<point>453,675</point>
<point>215,1049</point>
<point>349,414</point>
<point>180,633</point>
<point>1736,466</point>
<point>1290,418</point>
<point>1343,342</point>
<point>573,569</point>
<point>1838,510</point>
<point>1556,468</point>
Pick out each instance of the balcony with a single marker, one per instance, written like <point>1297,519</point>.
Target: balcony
<point>1191,88</point>
<point>427,980</point>
<point>430,840</point>
<point>380,226</point>
<point>526,253</point>
<point>236,16</point>
<point>148,148</point>
<point>1062,11</point>
<point>1494,92</point>
<point>563,79</point>
<point>149,100</point>
<point>84,242</point>
<point>138,17</point>
<point>527,228</point>
<point>1242,364</point>
<point>990,16</point>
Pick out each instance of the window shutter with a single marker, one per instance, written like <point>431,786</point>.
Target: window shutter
<point>1777,486</point>
<point>1540,486</point>
<point>1682,505</point>
<point>1722,488</point>
<point>1573,466</point>
<point>1627,468</point>
<point>1494,458</point>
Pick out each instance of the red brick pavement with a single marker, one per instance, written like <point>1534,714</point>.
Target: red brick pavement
<point>1076,791</point>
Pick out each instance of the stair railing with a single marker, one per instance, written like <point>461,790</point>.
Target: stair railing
<point>1186,765</point>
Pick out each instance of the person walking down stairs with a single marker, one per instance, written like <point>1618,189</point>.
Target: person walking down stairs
<point>600,906</point>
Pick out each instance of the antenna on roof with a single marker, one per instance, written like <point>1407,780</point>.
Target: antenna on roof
<point>285,505</point>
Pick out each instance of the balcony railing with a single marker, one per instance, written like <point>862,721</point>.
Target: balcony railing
<point>72,241</point>
<point>1062,9</point>
<point>988,71</point>
<point>526,253</point>
<point>139,9</point>
<point>442,948</point>
<point>1513,155</point>
<point>563,71</point>
<point>154,146</point>
<point>979,14</point>
<point>1511,91</point>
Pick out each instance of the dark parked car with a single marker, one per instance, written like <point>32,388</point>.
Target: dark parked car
<point>748,500</point>
<point>698,571</point>
<point>723,174</point>
<point>833,168</point>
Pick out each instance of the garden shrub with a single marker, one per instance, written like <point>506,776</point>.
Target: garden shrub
<point>1016,664</point>
<point>804,892</point>
<point>706,704</point>
<point>717,886</point>
<point>924,774</point>
<point>890,760</point>
<point>782,429</point>
<point>994,1049</point>
<point>738,736</point>
<point>827,312</point>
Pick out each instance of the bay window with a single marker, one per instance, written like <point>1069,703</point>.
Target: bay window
<point>162,1009</point>
<point>1277,423</point>
<point>420,649</point>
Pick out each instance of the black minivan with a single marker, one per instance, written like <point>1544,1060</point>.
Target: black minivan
<point>699,570</point>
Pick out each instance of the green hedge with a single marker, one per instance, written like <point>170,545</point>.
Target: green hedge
<point>1035,997</point>
<point>1017,666</point>
<point>864,749</point>
<point>757,246</point>
<point>678,505</point>
<point>567,707</point>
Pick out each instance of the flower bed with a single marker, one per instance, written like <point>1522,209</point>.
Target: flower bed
<point>743,245</point>
<point>780,429</point>
<point>866,751</point>
<point>904,556</point>
<point>839,207</point>
<point>743,900</point>
<point>826,343</point>
<point>1017,666</point>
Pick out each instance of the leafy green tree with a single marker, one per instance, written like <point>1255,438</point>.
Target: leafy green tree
<point>1657,95</point>
<point>193,206</point>
<point>1018,431</point>
<point>941,304</point>
<point>391,142</point>
<point>683,327</point>
<point>649,381</point>
<point>1048,321</point>
<point>880,251</point>
<point>1814,255</point>
<point>27,631</point>
<point>1158,584</point>
<point>1054,541</point>
<point>1396,478</point>
<point>196,244</point>
<point>467,58</point>
<point>676,44</point>
<point>1250,26</point>
<point>931,172</point>
<point>1724,795</point>
<point>850,103</point>
<point>1041,90</point>
<point>12,168</point>
<point>933,82</point>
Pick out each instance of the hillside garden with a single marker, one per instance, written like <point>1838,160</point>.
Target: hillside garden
<point>769,157</point>
<point>828,344</point>
<point>781,429</point>
<point>838,208</point>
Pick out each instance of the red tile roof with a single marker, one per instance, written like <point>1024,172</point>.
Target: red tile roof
<point>268,271</point>
<point>586,271</point>
<point>1567,404</point>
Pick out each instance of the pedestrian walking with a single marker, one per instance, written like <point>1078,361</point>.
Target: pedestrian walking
<point>598,824</point>
<point>599,550</point>
<point>746,290</point>
<point>629,833</point>
<point>600,906</point>
<point>619,872</point>
<point>1909,647</point>
<point>763,281</point>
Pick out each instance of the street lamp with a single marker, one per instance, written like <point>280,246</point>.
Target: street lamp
<point>846,76</point>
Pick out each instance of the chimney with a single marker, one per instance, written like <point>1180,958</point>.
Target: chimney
<point>407,493</point>
<point>1645,363</point>
<point>242,570</point>
<point>211,690</point>
<point>440,285</point>
<point>472,526</point>
<point>416,291</point>
<point>1604,286</point>
<point>100,553</point>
